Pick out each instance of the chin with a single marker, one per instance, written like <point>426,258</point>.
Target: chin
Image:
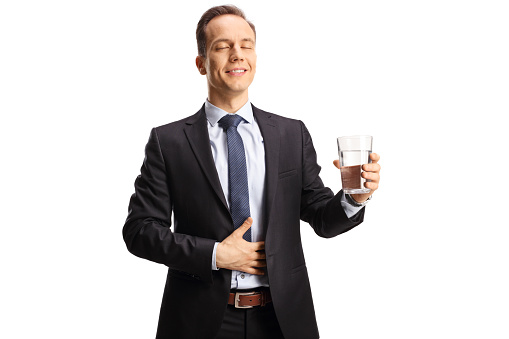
<point>238,89</point>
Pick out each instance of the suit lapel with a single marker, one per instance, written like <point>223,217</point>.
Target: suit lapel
<point>198,137</point>
<point>270,133</point>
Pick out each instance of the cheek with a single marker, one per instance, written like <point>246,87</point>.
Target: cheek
<point>212,65</point>
<point>253,62</point>
<point>253,68</point>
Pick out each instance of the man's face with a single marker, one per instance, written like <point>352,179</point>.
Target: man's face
<point>230,64</point>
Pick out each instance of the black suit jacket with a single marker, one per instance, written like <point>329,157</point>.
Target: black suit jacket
<point>178,175</point>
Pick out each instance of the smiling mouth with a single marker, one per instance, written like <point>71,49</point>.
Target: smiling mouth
<point>237,71</point>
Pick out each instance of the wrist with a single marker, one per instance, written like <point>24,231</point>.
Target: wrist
<point>214,257</point>
<point>356,203</point>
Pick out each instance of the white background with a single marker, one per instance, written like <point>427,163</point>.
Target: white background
<point>83,82</point>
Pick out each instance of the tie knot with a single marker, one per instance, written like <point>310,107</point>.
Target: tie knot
<point>230,120</point>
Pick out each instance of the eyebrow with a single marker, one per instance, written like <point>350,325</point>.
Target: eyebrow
<point>228,40</point>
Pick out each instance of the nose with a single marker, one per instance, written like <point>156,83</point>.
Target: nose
<point>236,54</point>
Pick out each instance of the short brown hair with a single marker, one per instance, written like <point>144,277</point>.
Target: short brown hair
<point>210,14</point>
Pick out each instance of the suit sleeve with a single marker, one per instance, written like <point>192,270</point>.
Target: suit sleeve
<point>147,232</point>
<point>319,206</point>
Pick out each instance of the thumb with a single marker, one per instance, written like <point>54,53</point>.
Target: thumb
<point>336,163</point>
<point>245,226</point>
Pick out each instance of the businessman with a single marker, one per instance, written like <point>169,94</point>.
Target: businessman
<point>238,180</point>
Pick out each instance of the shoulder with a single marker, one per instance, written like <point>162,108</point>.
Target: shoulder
<point>276,117</point>
<point>176,128</point>
<point>279,120</point>
<point>189,120</point>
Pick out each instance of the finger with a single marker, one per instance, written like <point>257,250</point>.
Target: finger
<point>258,246</point>
<point>261,255</point>
<point>373,167</point>
<point>259,263</point>
<point>257,256</point>
<point>373,186</point>
<point>374,157</point>
<point>244,227</point>
<point>253,270</point>
<point>336,163</point>
<point>371,176</point>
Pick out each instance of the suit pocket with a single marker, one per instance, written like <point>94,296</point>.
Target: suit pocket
<point>183,275</point>
<point>287,173</point>
<point>299,268</point>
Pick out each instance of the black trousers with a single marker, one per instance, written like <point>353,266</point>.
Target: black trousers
<point>250,323</point>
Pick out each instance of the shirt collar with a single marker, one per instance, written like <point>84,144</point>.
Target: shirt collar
<point>214,113</point>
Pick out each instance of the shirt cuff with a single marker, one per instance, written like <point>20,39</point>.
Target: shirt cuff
<point>214,267</point>
<point>349,208</point>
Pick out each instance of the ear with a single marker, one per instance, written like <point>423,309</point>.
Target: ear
<point>200,64</point>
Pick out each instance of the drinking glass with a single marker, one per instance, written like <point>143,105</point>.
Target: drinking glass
<point>354,152</point>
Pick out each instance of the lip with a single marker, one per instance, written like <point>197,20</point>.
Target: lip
<point>237,74</point>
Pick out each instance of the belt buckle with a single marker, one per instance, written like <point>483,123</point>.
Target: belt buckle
<point>237,299</point>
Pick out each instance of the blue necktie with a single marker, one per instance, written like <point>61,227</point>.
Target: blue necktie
<point>237,172</point>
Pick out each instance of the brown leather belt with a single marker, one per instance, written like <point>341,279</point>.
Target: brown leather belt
<point>249,299</point>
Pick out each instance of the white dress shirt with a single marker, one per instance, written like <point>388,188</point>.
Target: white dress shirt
<point>255,162</point>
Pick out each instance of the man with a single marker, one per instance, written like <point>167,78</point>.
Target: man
<point>237,180</point>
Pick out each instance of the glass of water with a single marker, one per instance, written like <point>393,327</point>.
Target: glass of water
<point>354,152</point>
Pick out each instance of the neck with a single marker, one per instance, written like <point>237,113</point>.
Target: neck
<point>230,104</point>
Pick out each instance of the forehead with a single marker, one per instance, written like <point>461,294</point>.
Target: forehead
<point>231,27</point>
